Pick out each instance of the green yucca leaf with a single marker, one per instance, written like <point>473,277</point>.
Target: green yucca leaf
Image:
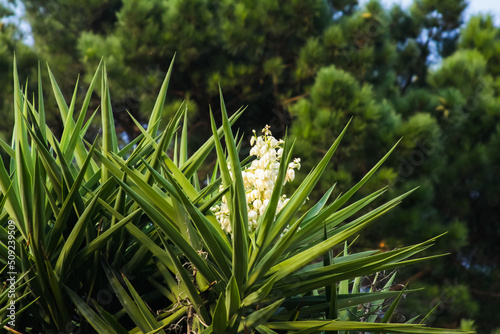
<point>272,256</point>
<point>412,320</point>
<point>51,167</point>
<point>205,207</point>
<point>356,288</point>
<point>124,151</point>
<point>156,250</point>
<point>169,229</point>
<point>4,253</point>
<point>297,261</point>
<point>207,232</point>
<point>3,199</point>
<point>176,153</point>
<point>304,190</point>
<point>375,212</point>
<point>404,263</point>
<point>220,320</point>
<point>7,149</point>
<point>237,203</point>
<point>343,289</point>
<point>66,168</point>
<point>330,289</point>
<point>69,124</point>
<point>18,311</point>
<point>22,164</point>
<point>196,160</point>
<point>344,301</point>
<point>168,291</point>
<point>144,149</point>
<point>110,319</point>
<point>264,330</point>
<point>92,317</point>
<point>57,305</point>
<point>221,157</point>
<point>311,228</point>
<point>149,139</point>
<point>190,291</point>
<point>344,198</point>
<point>137,180</point>
<point>74,139</point>
<point>166,139</point>
<point>183,153</point>
<point>160,179</point>
<point>128,303</point>
<point>70,130</point>
<point>38,233</point>
<point>390,311</point>
<point>185,224</point>
<point>168,320</point>
<point>110,165</point>
<point>12,204</point>
<point>90,90</point>
<point>303,283</point>
<point>20,283</point>
<point>260,316</point>
<point>376,305</point>
<point>109,140</point>
<point>77,233</point>
<point>101,240</point>
<point>429,313</point>
<point>213,183</point>
<point>86,127</point>
<point>331,213</point>
<point>25,190</point>
<point>41,106</point>
<point>141,305</point>
<point>311,330</point>
<point>357,326</point>
<point>233,301</point>
<point>179,177</point>
<point>61,103</point>
<point>175,288</point>
<point>152,151</point>
<point>153,123</point>
<point>74,240</point>
<point>71,202</point>
<point>148,144</point>
<point>261,294</point>
<point>360,262</point>
<point>20,136</point>
<point>119,206</point>
<point>318,207</point>
<point>186,227</point>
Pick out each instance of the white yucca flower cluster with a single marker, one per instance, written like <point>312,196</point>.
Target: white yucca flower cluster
<point>259,179</point>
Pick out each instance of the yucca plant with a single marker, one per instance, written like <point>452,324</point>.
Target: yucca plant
<point>108,239</point>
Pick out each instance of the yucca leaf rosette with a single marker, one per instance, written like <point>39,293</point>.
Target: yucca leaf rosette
<point>115,237</point>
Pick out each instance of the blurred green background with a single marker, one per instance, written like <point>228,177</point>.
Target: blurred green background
<point>426,72</point>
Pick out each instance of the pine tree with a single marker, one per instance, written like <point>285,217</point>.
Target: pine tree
<point>448,114</point>
<point>245,46</point>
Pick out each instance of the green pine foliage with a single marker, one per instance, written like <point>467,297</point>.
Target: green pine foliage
<point>335,97</point>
